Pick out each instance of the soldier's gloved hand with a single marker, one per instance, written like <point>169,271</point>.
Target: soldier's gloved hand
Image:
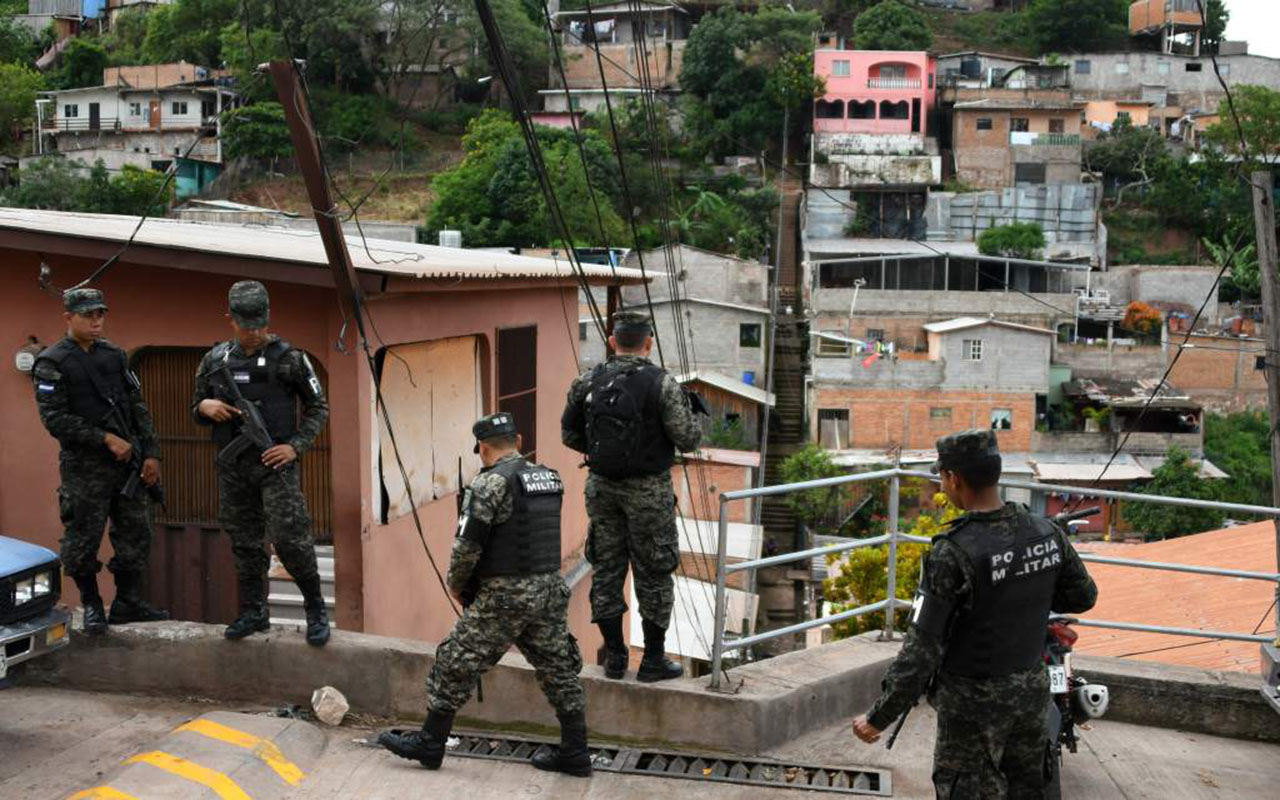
<point>120,448</point>
<point>151,471</point>
<point>865,730</point>
<point>279,456</point>
<point>217,410</point>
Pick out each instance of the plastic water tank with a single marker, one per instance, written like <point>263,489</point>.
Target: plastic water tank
<point>451,238</point>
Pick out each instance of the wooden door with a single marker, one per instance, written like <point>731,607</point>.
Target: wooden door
<point>192,573</point>
<point>154,116</point>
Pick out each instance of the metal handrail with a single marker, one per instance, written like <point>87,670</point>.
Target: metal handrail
<point>895,536</point>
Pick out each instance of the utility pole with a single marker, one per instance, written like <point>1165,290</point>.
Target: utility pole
<point>1264,216</point>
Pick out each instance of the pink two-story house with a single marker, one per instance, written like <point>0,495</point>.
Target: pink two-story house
<point>874,91</point>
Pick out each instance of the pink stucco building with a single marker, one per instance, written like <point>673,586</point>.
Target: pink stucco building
<point>874,91</point>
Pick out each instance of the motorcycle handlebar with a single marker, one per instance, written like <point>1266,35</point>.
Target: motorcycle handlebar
<point>1063,519</point>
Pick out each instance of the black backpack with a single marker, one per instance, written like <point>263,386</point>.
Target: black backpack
<point>619,435</point>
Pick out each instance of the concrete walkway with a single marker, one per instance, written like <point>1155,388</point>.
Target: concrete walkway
<point>55,742</point>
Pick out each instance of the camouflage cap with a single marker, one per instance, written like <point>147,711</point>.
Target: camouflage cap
<point>249,304</point>
<point>966,448</point>
<point>632,322</point>
<point>82,301</point>
<point>501,424</point>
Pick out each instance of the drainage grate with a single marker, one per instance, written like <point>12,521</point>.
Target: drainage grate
<point>691,766</point>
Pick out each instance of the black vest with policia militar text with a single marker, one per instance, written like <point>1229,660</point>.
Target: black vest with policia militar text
<point>528,542</point>
<point>258,378</point>
<point>1003,631</point>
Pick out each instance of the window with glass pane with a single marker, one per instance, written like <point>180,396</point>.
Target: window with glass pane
<point>972,349</point>
<point>749,334</point>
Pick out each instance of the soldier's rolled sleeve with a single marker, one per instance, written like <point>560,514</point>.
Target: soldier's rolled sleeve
<point>462,563</point>
<point>69,428</point>
<point>573,423</point>
<point>678,419</point>
<point>203,391</point>
<point>315,406</point>
<point>921,655</point>
<point>1075,592</point>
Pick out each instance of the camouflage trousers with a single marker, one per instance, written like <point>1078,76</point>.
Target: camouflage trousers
<point>992,736</point>
<point>90,496</point>
<point>527,611</point>
<point>633,524</point>
<point>257,504</point>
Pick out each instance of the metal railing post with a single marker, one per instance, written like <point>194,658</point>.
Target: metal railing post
<point>891,588</point>
<point>717,639</point>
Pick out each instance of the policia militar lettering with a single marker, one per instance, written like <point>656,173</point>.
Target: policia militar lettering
<point>505,570</point>
<point>259,492</point>
<point>91,402</point>
<point>628,417</point>
<point>977,633</point>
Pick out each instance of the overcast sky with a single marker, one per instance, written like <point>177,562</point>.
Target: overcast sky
<point>1258,23</point>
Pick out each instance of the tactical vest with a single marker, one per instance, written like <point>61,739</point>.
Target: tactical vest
<point>528,542</point>
<point>104,358</point>
<point>621,448</point>
<point>1003,632</point>
<point>258,377</point>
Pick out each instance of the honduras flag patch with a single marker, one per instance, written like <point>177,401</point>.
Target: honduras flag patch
<point>45,388</point>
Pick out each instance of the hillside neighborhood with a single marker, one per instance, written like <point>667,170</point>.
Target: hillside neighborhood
<point>857,227</point>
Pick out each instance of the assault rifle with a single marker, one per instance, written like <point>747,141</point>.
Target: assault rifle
<point>253,428</point>
<point>116,422</point>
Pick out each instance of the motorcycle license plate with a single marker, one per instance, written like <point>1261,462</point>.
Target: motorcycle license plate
<point>1058,680</point>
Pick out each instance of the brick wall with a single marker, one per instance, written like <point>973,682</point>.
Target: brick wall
<point>707,480</point>
<point>881,418</point>
<point>1222,380</point>
<point>620,64</point>
<point>982,157</point>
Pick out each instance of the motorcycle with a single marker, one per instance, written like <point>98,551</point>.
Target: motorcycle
<point>1073,700</point>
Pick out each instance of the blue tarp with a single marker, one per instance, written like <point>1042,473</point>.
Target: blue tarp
<point>92,8</point>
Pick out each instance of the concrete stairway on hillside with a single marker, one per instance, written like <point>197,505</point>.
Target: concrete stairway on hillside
<point>285,601</point>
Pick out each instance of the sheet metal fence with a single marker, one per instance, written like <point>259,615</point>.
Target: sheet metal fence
<point>894,537</point>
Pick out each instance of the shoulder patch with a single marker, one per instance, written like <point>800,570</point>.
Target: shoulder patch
<point>44,387</point>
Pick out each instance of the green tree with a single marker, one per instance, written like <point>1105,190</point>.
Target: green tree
<point>17,44</point>
<point>861,577</point>
<point>734,99</point>
<point>256,131</point>
<point>814,507</point>
<point>125,40</point>
<point>1129,158</point>
<point>1240,444</point>
<point>1176,477</point>
<point>890,25</point>
<point>59,184</point>
<point>1258,110</point>
<point>1076,26</point>
<point>51,183</point>
<point>19,87</point>
<point>188,30</point>
<point>1017,240</point>
<point>1243,273</point>
<point>494,197</point>
<point>82,64</point>
<point>1216,18</point>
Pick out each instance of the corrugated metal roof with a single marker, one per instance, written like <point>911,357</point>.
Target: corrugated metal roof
<point>730,385</point>
<point>1184,600</point>
<point>402,259</point>
<point>961,323</point>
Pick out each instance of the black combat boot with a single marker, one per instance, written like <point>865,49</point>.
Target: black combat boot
<point>615,648</point>
<point>317,619</point>
<point>253,610</point>
<point>95,619</point>
<point>425,746</point>
<point>129,605</point>
<point>655,666</point>
<point>572,756</point>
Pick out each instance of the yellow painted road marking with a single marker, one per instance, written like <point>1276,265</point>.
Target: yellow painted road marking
<point>262,748</point>
<point>101,793</point>
<point>189,770</point>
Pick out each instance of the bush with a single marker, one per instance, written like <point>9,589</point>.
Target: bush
<point>1176,477</point>
<point>449,120</point>
<point>348,121</point>
<point>813,506</point>
<point>862,577</point>
<point>890,25</point>
<point>256,131</point>
<point>727,434</point>
<point>1019,240</point>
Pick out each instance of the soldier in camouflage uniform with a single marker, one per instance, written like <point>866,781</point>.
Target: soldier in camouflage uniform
<point>978,630</point>
<point>505,571</point>
<point>629,416</point>
<point>259,493</point>
<point>78,383</point>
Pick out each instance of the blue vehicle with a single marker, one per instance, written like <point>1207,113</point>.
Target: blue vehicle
<point>30,623</point>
